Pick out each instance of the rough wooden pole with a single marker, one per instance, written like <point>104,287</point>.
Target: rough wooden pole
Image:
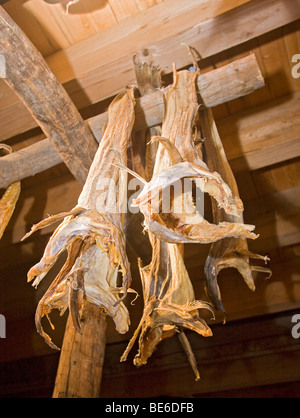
<point>80,366</point>
<point>26,72</point>
<point>29,76</point>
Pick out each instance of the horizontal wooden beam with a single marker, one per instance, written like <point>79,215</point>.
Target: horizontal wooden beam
<point>100,66</point>
<point>218,86</point>
<point>250,140</point>
<point>33,82</point>
<point>264,135</point>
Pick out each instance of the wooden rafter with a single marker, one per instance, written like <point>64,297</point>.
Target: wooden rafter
<point>30,78</point>
<point>218,86</point>
<point>100,66</point>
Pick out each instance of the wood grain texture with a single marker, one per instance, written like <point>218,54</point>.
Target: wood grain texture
<point>245,359</point>
<point>218,86</point>
<point>30,78</point>
<point>239,355</point>
<point>100,66</point>
<point>81,360</point>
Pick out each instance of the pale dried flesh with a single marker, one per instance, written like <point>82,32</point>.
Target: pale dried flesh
<point>169,299</point>
<point>92,233</point>
<point>187,225</point>
<point>169,302</point>
<point>9,199</point>
<point>229,252</point>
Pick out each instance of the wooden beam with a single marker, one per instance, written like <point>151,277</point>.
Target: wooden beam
<point>234,80</point>
<point>264,135</point>
<point>100,66</point>
<point>79,372</point>
<point>30,78</point>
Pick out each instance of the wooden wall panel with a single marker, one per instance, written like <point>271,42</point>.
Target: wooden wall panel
<point>248,359</point>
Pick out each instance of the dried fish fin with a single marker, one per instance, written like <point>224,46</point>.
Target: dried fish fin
<point>51,220</point>
<point>195,229</point>
<point>189,353</point>
<point>238,259</point>
<point>56,297</point>
<point>67,231</point>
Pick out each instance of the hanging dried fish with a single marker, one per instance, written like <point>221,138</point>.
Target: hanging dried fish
<point>229,252</point>
<point>188,225</point>
<point>169,299</point>
<point>9,198</point>
<point>92,233</point>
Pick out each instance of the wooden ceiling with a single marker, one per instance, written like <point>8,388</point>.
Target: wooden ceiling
<point>90,51</point>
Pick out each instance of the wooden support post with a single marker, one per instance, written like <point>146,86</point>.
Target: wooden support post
<point>31,79</point>
<point>80,366</point>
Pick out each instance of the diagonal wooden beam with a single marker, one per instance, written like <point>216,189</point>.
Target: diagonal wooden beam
<point>29,76</point>
<point>100,66</point>
<point>218,86</point>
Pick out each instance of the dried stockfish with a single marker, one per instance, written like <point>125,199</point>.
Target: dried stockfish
<point>169,299</point>
<point>229,252</point>
<point>187,224</point>
<point>92,233</point>
<point>9,199</point>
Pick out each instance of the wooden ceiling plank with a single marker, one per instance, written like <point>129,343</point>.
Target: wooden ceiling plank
<point>23,14</point>
<point>30,78</point>
<point>100,66</point>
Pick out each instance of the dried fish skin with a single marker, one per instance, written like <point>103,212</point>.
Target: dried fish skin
<point>229,252</point>
<point>178,159</point>
<point>9,199</point>
<point>92,235</point>
<point>7,205</point>
<point>169,299</point>
<point>169,302</point>
<point>190,225</point>
<point>234,254</point>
